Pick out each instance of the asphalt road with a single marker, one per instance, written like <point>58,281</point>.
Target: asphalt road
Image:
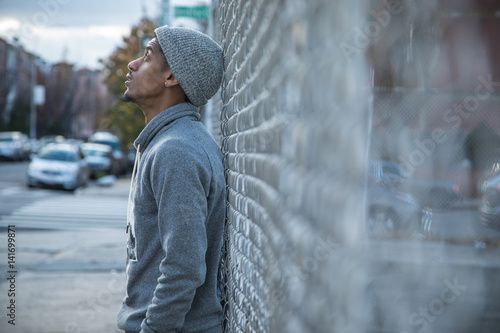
<point>12,173</point>
<point>13,190</point>
<point>40,208</point>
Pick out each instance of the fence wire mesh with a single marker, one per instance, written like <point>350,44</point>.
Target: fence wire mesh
<point>314,93</point>
<point>286,129</point>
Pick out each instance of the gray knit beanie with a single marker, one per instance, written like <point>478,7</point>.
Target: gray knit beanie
<point>195,60</point>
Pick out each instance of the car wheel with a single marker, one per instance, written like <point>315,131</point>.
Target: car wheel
<point>383,222</point>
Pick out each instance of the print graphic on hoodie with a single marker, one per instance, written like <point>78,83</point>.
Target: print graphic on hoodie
<point>131,243</point>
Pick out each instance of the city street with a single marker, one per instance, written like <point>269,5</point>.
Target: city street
<point>69,257</point>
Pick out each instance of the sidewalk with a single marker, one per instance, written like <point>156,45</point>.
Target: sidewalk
<point>67,281</point>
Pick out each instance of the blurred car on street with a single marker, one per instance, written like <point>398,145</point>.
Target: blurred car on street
<point>100,159</point>
<point>14,146</point>
<point>391,212</point>
<point>75,142</point>
<point>34,147</point>
<point>46,139</point>
<point>109,139</point>
<point>489,209</point>
<point>131,152</point>
<point>395,214</point>
<point>431,193</point>
<point>59,165</point>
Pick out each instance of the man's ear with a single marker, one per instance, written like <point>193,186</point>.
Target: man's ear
<point>170,80</point>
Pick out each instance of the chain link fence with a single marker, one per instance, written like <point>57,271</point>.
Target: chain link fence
<point>306,106</point>
<point>292,116</point>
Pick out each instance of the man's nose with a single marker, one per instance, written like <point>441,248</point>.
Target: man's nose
<point>133,64</point>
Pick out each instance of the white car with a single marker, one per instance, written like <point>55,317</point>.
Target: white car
<point>14,146</point>
<point>58,165</point>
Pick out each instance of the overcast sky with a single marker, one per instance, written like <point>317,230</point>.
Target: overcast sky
<point>79,31</point>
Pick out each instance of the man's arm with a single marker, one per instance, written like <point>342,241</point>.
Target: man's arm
<point>177,180</point>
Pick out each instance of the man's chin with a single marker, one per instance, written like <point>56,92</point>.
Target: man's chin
<point>127,98</point>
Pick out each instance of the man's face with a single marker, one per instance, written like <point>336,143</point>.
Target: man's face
<point>146,79</point>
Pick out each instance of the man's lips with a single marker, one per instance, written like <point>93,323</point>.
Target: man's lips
<point>129,78</point>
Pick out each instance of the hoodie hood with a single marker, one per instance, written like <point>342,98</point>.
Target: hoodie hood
<point>163,119</point>
<point>147,135</point>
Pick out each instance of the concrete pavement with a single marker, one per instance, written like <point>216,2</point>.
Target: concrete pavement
<point>65,280</point>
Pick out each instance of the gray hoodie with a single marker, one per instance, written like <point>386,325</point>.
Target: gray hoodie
<point>176,221</point>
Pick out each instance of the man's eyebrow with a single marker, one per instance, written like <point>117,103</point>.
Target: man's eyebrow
<point>149,48</point>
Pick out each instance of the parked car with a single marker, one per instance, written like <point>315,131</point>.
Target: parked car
<point>391,212</point>
<point>388,172</point>
<point>75,142</point>
<point>58,165</point>
<point>489,210</point>
<point>100,159</point>
<point>113,141</point>
<point>14,146</point>
<point>430,193</point>
<point>46,139</point>
<point>34,147</point>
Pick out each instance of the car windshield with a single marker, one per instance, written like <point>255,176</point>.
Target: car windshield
<point>113,144</point>
<point>58,155</point>
<point>96,153</point>
<point>6,139</point>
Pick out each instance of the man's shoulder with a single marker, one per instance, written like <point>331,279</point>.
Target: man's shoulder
<point>183,143</point>
<point>190,135</point>
<point>169,147</point>
<point>166,144</point>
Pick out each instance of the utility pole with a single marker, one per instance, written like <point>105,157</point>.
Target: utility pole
<point>37,97</point>
<point>33,101</point>
<point>165,12</point>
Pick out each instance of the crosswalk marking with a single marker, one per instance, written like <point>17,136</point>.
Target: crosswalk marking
<point>72,212</point>
<point>16,191</point>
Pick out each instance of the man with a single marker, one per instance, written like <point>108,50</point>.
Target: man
<point>177,199</point>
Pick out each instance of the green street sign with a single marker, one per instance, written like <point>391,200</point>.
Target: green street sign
<point>198,12</point>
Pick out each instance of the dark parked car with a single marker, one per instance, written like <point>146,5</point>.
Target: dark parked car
<point>114,142</point>
<point>58,165</point>
<point>100,159</point>
<point>393,213</point>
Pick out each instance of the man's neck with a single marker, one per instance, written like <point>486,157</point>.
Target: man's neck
<point>152,110</point>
